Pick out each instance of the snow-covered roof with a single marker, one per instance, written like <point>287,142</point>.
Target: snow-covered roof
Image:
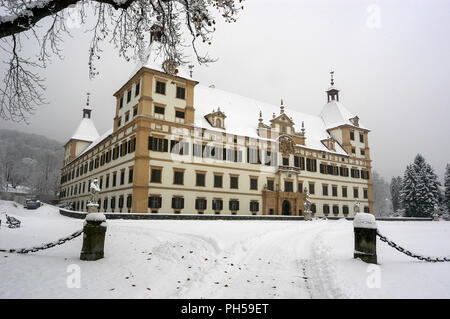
<point>97,141</point>
<point>86,131</point>
<point>154,58</point>
<point>334,114</point>
<point>243,113</point>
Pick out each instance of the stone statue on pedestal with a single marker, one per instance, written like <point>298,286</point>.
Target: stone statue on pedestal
<point>356,207</point>
<point>308,212</point>
<point>94,190</point>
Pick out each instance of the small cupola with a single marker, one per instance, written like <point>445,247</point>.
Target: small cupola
<point>87,109</point>
<point>332,92</point>
<point>216,118</point>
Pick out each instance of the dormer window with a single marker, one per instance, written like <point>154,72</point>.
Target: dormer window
<point>216,118</point>
<point>355,120</point>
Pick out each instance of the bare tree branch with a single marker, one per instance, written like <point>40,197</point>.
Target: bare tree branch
<point>129,25</point>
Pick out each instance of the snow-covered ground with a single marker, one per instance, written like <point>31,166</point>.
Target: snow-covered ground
<point>219,259</point>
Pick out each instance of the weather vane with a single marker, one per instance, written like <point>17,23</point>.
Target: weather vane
<point>332,80</point>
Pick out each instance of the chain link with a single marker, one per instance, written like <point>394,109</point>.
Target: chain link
<point>44,246</point>
<point>410,254</point>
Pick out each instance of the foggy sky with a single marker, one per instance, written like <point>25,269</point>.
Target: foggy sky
<point>395,77</point>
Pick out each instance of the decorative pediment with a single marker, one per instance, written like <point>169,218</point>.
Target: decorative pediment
<point>282,119</point>
<point>354,120</point>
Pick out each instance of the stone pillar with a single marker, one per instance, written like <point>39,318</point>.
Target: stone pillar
<point>93,237</point>
<point>365,229</point>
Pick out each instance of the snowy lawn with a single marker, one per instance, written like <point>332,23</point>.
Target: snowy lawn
<point>219,259</point>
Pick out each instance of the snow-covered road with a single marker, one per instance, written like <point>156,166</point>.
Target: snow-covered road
<point>218,259</point>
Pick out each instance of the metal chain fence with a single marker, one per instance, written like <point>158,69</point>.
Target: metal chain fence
<point>44,246</point>
<point>410,254</point>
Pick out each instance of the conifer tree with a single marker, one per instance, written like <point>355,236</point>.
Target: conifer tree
<point>395,188</point>
<point>420,189</point>
<point>447,187</point>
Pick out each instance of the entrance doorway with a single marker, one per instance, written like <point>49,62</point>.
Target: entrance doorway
<point>286,207</point>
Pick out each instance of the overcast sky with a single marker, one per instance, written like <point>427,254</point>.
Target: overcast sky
<point>391,60</point>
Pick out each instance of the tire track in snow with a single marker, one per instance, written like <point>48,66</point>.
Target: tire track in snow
<point>264,266</point>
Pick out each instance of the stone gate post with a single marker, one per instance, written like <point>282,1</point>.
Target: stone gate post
<point>93,237</point>
<point>365,230</point>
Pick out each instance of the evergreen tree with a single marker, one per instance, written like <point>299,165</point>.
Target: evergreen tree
<point>395,188</point>
<point>447,187</point>
<point>420,191</point>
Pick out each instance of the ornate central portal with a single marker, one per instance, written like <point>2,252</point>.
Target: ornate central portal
<point>283,203</point>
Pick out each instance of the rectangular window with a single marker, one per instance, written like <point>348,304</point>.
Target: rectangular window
<point>335,209</point>
<point>106,184</point>
<point>129,201</point>
<point>200,204</point>
<point>135,110</point>
<point>200,179</point>
<point>155,175</point>
<point>288,186</point>
<point>121,102</point>
<point>334,191</point>
<point>300,187</point>
<point>119,121</point>
<point>344,191</point>
<point>353,150</point>
<point>138,87</point>
<point>253,183</point>
<point>178,177</point>
<point>159,110</point>
<point>127,117</point>
<point>122,177</point>
<point>158,144</point>
<point>352,135</point>
<point>363,152</point>
<point>160,87</point>
<point>218,180</point>
<point>355,192</point>
<point>154,202</point>
<point>130,175</point>
<point>114,179</point>
<point>311,165</point>
<point>129,96</point>
<point>121,202</point>
<point>217,204</point>
<point>325,190</point>
<point>311,188</point>
<point>113,203</point>
<point>345,210</point>
<point>179,114</point>
<point>361,137</point>
<point>365,193</point>
<point>270,185</point>
<point>234,205</point>
<point>285,161</point>
<point>177,202</point>
<point>254,207</point>
<point>181,93</point>
<point>326,209</point>
<point>234,182</point>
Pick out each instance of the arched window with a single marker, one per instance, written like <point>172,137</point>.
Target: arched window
<point>218,123</point>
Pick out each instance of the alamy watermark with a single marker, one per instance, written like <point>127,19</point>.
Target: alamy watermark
<point>73,280</point>
<point>373,280</point>
<point>373,20</point>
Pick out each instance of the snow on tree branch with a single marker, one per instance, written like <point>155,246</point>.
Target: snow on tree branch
<point>126,23</point>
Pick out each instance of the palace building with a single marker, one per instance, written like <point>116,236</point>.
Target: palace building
<point>177,146</point>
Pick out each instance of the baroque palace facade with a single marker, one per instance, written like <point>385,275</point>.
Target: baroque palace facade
<point>177,146</point>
